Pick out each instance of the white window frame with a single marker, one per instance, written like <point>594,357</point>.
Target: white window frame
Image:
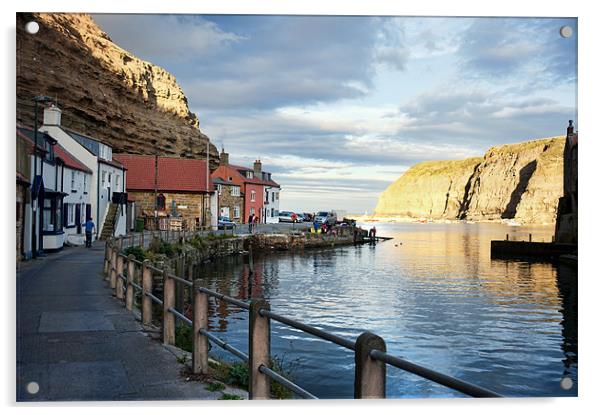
<point>235,191</point>
<point>73,180</point>
<point>236,212</point>
<point>252,195</point>
<point>70,214</point>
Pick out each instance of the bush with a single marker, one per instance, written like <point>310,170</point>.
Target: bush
<point>137,251</point>
<point>238,375</point>
<point>184,337</point>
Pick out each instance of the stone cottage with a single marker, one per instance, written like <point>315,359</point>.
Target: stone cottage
<point>170,187</point>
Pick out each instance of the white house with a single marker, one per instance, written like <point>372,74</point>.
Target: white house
<point>107,195</point>
<point>59,189</point>
<point>271,202</point>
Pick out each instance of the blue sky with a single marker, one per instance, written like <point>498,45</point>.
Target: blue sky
<point>338,107</point>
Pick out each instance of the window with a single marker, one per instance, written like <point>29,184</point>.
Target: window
<point>110,178</point>
<point>104,179</point>
<point>252,195</point>
<point>277,195</point>
<point>117,178</point>
<point>52,220</point>
<point>70,207</point>
<point>236,212</point>
<point>273,211</point>
<point>252,211</point>
<point>267,196</point>
<point>161,202</point>
<point>273,193</point>
<point>235,191</point>
<point>219,189</point>
<point>73,180</point>
<point>85,183</point>
<point>249,175</point>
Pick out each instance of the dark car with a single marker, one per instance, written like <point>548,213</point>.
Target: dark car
<point>224,222</point>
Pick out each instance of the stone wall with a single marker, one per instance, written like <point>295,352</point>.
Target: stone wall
<point>145,205</point>
<point>227,200</point>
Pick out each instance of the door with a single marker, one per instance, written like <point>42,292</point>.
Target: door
<point>88,211</point>
<point>78,217</point>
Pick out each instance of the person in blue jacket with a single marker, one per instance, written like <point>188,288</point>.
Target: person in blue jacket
<point>89,229</point>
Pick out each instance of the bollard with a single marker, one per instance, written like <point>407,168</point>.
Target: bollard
<point>506,236</point>
<point>169,301</point>
<point>113,273</point>
<point>129,288</point>
<point>147,287</point>
<point>200,320</point>
<point>259,350</point>
<point>529,237</point>
<point>370,374</point>
<point>118,279</point>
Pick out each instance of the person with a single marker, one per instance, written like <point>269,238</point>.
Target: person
<point>255,222</point>
<point>89,229</point>
<point>251,220</point>
<point>324,227</point>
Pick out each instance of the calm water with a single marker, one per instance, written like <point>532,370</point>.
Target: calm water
<point>437,299</point>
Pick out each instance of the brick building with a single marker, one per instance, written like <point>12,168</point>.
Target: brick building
<point>182,188</point>
<point>260,194</point>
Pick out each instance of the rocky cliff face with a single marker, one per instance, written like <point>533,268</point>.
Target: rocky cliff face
<point>103,90</point>
<point>517,181</point>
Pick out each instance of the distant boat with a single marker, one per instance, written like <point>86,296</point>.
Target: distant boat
<point>513,223</point>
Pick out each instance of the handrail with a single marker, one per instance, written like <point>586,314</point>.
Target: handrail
<point>114,260</point>
<point>286,383</point>
<point>226,298</point>
<point>437,377</point>
<point>309,329</point>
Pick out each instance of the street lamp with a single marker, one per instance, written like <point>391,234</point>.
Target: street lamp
<point>40,99</point>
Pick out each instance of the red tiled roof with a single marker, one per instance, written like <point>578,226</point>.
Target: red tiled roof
<point>69,159</point>
<point>174,174</point>
<point>254,180</point>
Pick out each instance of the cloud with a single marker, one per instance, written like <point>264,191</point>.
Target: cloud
<point>528,51</point>
<point>164,38</point>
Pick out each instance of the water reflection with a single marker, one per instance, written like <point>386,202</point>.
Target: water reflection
<point>432,293</point>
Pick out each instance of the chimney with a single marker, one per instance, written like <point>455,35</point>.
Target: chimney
<point>569,129</point>
<point>52,115</point>
<point>257,168</point>
<point>223,158</point>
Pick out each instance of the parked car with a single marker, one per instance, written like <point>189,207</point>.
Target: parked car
<point>284,216</point>
<point>224,222</point>
<point>325,217</point>
<point>300,217</point>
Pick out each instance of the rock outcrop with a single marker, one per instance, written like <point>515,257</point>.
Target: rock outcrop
<point>516,181</point>
<point>103,90</point>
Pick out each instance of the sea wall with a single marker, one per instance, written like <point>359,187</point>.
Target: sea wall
<point>516,181</point>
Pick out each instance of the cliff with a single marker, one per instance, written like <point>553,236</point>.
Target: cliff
<point>516,181</point>
<point>103,90</point>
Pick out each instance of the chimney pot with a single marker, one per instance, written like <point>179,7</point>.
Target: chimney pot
<point>224,158</point>
<point>52,115</point>
<point>257,168</point>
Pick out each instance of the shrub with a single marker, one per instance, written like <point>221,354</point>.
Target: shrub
<point>137,251</point>
<point>184,337</point>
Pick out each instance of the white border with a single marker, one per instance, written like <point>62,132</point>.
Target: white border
<point>589,153</point>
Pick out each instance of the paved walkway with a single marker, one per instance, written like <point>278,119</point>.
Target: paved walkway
<point>77,342</point>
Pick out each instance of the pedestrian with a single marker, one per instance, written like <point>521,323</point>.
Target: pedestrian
<point>255,223</point>
<point>90,227</point>
<point>250,221</point>
<point>324,227</point>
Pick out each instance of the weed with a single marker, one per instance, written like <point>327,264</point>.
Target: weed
<point>137,251</point>
<point>229,397</point>
<point>184,337</point>
<point>215,386</point>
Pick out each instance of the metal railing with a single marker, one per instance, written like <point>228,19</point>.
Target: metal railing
<point>371,358</point>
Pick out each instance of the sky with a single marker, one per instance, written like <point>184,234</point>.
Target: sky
<point>338,107</point>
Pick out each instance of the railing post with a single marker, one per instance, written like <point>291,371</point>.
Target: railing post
<point>259,350</point>
<point>169,301</point>
<point>129,288</point>
<point>118,279</point>
<point>370,374</point>
<point>147,287</point>
<point>112,264</point>
<point>105,267</point>
<point>200,320</point>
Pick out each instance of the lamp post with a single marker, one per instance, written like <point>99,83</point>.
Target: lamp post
<point>34,235</point>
